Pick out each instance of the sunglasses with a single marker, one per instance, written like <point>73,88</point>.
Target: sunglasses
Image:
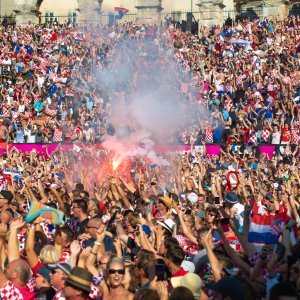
<point>113,271</point>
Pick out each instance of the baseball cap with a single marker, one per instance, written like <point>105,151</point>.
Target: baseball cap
<point>191,281</point>
<point>228,287</point>
<point>64,266</point>
<point>192,197</point>
<point>188,266</point>
<point>45,272</point>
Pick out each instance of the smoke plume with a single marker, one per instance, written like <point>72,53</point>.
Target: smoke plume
<point>147,106</point>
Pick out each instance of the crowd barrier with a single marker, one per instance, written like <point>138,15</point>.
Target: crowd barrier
<point>268,150</point>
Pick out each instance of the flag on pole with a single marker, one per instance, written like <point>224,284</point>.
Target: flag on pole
<point>120,12</point>
<point>265,229</point>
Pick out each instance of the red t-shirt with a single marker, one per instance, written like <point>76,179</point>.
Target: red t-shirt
<point>285,135</point>
<point>180,273</point>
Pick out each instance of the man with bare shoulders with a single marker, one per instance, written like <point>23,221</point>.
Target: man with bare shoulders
<point>3,131</point>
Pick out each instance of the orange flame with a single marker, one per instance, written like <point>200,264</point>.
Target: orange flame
<point>115,163</point>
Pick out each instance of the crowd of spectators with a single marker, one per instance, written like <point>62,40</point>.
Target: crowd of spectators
<point>48,91</point>
<point>247,75</point>
<point>73,226</point>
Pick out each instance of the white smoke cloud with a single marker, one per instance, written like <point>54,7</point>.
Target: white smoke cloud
<point>147,106</point>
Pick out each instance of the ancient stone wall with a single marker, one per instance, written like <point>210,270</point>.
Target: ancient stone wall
<point>28,10</point>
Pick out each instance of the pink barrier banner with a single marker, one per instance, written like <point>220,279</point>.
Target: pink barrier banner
<point>213,150</point>
<point>267,150</point>
<point>41,148</point>
<point>210,149</point>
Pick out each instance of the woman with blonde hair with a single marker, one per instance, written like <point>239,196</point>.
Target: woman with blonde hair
<point>48,255</point>
<point>114,278</point>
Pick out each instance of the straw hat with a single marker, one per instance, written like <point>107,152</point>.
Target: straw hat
<point>167,201</point>
<point>191,281</point>
<point>80,278</point>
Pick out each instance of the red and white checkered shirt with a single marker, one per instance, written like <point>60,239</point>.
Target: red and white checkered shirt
<point>5,112</point>
<point>295,136</point>
<point>57,136</point>
<point>11,292</point>
<point>21,239</point>
<point>252,137</point>
<point>239,79</point>
<point>265,135</point>
<point>228,87</point>
<point>27,100</point>
<point>209,135</point>
<point>14,114</point>
<point>50,114</point>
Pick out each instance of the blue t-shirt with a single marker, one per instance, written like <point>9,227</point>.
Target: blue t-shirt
<point>38,105</point>
<point>217,135</point>
<point>271,27</point>
<point>89,103</point>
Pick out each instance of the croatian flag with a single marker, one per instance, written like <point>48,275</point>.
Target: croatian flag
<point>70,93</point>
<point>78,36</point>
<point>120,12</point>
<point>265,229</point>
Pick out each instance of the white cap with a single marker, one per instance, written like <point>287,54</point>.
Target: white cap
<point>188,266</point>
<point>192,197</point>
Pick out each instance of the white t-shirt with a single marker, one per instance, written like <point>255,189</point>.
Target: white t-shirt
<point>239,214</point>
<point>30,137</point>
<point>6,62</point>
<point>276,138</point>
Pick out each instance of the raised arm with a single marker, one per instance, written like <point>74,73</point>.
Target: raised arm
<point>98,249</point>
<point>185,230</point>
<point>13,243</point>
<point>214,262</point>
<point>29,247</point>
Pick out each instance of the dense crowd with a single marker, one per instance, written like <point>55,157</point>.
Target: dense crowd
<point>225,226</point>
<point>48,93</point>
<point>247,75</point>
